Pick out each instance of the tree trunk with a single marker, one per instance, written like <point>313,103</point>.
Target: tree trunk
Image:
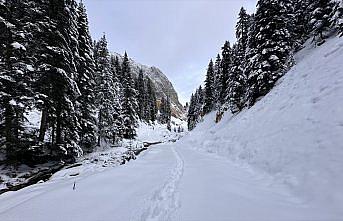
<point>43,125</point>
<point>8,129</point>
<point>99,136</point>
<point>58,127</point>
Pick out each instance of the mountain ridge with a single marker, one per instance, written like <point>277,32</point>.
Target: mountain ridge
<point>162,84</point>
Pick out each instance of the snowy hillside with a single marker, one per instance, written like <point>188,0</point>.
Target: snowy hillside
<point>295,133</point>
<point>162,84</point>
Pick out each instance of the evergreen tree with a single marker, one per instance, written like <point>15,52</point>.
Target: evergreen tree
<point>272,48</point>
<point>320,21</point>
<point>217,82</point>
<point>337,17</point>
<point>141,96</point>
<point>130,105</point>
<point>191,114</point>
<point>236,89</point>
<point>106,92</point>
<point>236,82</point>
<point>165,111</point>
<point>209,88</point>
<point>152,103</point>
<point>301,20</point>
<point>118,100</point>
<point>226,64</point>
<point>15,74</point>
<point>195,111</point>
<point>56,75</point>
<point>242,31</point>
<point>86,82</point>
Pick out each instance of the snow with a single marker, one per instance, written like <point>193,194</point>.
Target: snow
<point>295,133</point>
<point>279,160</point>
<point>17,45</point>
<point>167,182</point>
<point>33,118</point>
<point>158,132</point>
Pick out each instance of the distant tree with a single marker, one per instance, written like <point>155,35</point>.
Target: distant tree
<point>165,111</point>
<point>151,101</point>
<point>209,89</point>
<point>226,64</point>
<point>217,82</point>
<point>130,105</point>
<point>141,96</point>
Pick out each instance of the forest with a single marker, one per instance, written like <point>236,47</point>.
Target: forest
<point>83,94</point>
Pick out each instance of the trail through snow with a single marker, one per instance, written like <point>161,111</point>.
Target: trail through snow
<point>167,182</point>
<point>165,201</point>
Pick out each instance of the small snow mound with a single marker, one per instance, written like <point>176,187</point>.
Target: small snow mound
<point>17,45</point>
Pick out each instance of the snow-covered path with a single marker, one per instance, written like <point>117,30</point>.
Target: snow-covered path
<point>167,182</point>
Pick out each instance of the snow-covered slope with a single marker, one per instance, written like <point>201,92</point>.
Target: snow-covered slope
<point>295,133</point>
<point>162,84</point>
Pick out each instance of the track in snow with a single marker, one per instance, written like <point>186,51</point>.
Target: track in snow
<point>165,201</point>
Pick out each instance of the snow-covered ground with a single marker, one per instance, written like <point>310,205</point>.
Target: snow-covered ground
<point>167,182</point>
<point>295,133</point>
<point>279,160</point>
<point>99,160</point>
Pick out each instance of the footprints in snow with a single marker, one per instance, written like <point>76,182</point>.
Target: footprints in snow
<point>165,201</point>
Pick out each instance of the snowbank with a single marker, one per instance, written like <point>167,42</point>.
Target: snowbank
<point>158,132</point>
<point>295,133</point>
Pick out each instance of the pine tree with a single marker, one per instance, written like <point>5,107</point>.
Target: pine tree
<point>118,128</point>
<point>15,74</point>
<point>55,47</point>
<point>168,113</point>
<point>162,111</point>
<point>195,111</point>
<point>152,103</point>
<point>301,20</point>
<point>337,17</point>
<point>271,47</point>
<point>106,91</point>
<point>130,105</point>
<point>217,82</point>
<point>236,82</point>
<point>86,82</point>
<point>191,114</point>
<point>209,88</point>
<point>141,96</point>
<point>320,21</point>
<point>242,31</point>
<point>236,89</point>
<point>165,112</point>
<point>226,65</point>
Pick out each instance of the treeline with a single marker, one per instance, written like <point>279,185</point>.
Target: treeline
<point>263,52</point>
<point>50,65</point>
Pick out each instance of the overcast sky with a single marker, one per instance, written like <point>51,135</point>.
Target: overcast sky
<point>177,36</point>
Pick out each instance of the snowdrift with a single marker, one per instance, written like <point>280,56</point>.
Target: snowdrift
<point>295,133</point>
